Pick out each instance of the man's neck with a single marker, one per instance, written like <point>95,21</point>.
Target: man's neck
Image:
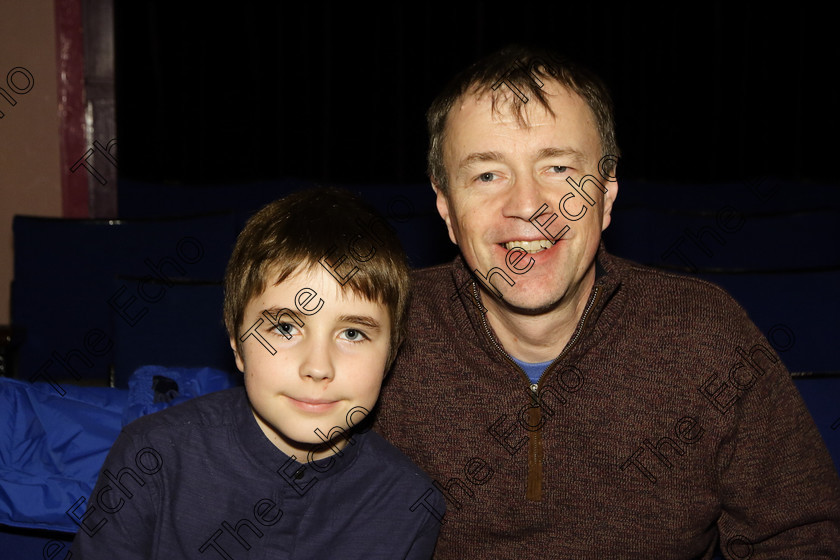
<point>539,338</point>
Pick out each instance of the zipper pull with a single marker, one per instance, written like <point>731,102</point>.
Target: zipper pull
<point>535,395</point>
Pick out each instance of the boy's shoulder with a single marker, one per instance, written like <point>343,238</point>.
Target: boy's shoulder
<point>211,411</point>
<point>389,463</point>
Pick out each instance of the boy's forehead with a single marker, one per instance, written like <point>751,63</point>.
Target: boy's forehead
<point>305,285</point>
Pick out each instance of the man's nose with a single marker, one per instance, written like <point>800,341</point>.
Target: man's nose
<point>524,197</point>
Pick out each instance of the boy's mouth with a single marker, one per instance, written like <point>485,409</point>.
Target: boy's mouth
<point>313,405</point>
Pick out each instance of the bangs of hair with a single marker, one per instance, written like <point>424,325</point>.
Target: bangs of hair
<point>513,77</point>
<point>324,227</point>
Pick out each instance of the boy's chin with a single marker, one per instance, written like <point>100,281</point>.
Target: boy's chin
<point>318,449</point>
<point>309,441</point>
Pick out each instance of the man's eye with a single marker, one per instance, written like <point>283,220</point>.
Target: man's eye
<point>486,177</point>
<point>559,168</point>
<point>354,335</point>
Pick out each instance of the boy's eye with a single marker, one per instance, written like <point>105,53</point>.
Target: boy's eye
<point>354,335</point>
<point>286,329</point>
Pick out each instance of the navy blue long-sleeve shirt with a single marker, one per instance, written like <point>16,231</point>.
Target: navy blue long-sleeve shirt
<point>201,480</point>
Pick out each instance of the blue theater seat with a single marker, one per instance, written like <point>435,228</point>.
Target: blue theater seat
<point>409,209</point>
<point>144,200</point>
<point>797,312</point>
<point>63,293</point>
<point>184,329</point>
<point>822,395</point>
<point>767,194</point>
<point>689,240</point>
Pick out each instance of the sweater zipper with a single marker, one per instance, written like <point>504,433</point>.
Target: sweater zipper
<point>493,340</point>
<point>582,323</point>
<point>535,386</point>
<point>533,484</point>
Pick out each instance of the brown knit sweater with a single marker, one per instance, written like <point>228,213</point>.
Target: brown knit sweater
<point>668,423</point>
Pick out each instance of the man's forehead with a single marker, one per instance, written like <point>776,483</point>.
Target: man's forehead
<point>503,106</point>
<point>487,117</point>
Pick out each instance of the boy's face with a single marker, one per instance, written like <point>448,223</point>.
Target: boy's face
<point>324,369</point>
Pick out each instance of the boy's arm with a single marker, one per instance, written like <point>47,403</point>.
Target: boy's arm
<point>424,542</point>
<point>118,519</point>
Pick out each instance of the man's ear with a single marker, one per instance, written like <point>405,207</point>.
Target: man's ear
<point>240,363</point>
<point>609,200</point>
<point>442,202</point>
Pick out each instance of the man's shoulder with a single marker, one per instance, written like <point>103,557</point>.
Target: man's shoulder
<point>433,290</point>
<point>661,301</point>
<point>664,287</point>
<point>431,276</point>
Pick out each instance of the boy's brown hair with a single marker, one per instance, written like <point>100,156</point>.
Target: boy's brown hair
<point>327,227</point>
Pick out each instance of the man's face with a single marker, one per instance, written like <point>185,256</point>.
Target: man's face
<point>324,369</point>
<point>500,174</point>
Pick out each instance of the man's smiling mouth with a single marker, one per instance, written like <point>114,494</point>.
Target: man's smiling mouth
<point>529,246</point>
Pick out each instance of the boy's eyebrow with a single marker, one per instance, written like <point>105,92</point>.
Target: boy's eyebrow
<point>365,320</point>
<point>273,314</point>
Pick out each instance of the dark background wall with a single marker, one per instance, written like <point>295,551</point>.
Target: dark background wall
<point>260,91</point>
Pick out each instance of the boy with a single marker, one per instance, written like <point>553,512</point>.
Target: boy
<point>316,293</point>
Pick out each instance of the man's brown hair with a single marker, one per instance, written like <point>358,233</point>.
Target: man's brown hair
<point>319,227</point>
<point>519,72</point>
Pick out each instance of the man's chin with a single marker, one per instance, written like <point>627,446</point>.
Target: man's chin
<point>526,303</point>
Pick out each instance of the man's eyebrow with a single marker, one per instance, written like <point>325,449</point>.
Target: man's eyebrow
<point>544,153</point>
<point>547,153</point>
<point>364,320</point>
<point>476,157</point>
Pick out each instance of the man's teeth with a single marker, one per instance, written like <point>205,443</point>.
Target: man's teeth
<point>529,246</point>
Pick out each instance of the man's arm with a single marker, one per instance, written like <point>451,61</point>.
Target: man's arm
<point>779,489</point>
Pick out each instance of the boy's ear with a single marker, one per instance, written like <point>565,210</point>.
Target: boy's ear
<point>240,363</point>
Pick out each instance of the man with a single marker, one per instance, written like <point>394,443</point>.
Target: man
<point>568,403</point>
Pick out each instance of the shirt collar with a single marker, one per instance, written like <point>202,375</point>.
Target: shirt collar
<point>254,444</point>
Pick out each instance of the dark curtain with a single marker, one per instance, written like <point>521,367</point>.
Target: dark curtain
<point>262,91</point>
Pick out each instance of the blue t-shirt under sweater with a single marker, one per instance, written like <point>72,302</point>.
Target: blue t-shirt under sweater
<point>533,371</point>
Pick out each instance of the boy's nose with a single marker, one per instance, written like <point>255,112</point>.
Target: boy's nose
<point>317,365</point>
